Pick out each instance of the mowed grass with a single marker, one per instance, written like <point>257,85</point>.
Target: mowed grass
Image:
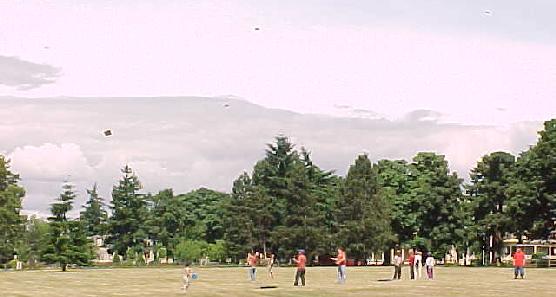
<point>231,282</point>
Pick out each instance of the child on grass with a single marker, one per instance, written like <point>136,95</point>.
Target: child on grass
<point>187,275</point>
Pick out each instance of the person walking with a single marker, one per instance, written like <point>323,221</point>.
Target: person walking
<point>398,261</point>
<point>519,263</point>
<point>411,260</point>
<point>429,264</point>
<point>341,262</point>
<point>418,264</point>
<point>300,273</point>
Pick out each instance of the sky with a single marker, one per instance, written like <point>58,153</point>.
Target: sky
<point>477,76</point>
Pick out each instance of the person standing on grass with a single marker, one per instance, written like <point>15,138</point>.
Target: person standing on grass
<point>429,264</point>
<point>519,263</point>
<point>398,261</point>
<point>411,260</point>
<point>418,265</point>
<point>300,273</point>
<point>252,262</point>
<point>270,265</point>
<point>341,262</point>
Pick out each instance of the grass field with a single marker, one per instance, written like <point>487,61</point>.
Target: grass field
<point>231,282</point>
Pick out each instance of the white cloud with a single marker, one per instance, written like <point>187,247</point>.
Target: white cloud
<point>51,162</point>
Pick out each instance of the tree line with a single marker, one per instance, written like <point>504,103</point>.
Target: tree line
<point>287,203</point>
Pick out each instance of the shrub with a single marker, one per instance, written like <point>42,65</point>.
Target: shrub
<point>540,259</point>
<point>116,260</point>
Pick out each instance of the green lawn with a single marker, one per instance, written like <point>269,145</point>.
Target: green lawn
<point>230,282</point>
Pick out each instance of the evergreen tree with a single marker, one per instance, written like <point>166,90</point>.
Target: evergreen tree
<point>489,197</point>
<point>324,186</point>
<point>67,241</point>
<point>363,216</point>
<point>436,195</point>
<point>302,226</point>
<point>11,221</point>
<point>129,213</point>
<point>270,188</point>
<point>239,218</point>
<point>94,217</point>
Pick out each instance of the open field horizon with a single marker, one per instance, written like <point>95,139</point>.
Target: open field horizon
<point>230,282</point>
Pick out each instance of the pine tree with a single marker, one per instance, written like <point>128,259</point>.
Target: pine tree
<point>324,187</point>
<point>363,216</point>
<point>11,221</point>
<point>270,190</point>
<point>94,217</point>
<point>239,218</point>
<point>489,197</point>
<point>67,241</point>
<point>129,213</point>
<point>303,226</point>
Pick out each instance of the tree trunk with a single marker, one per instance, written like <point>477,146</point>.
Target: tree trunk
<point>264,248</point>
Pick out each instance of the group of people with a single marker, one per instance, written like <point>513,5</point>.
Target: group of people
<point>416,263</point>
<point>253,259</point>
<point>300,261</point>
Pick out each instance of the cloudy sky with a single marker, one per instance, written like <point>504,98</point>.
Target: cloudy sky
<point>203,85</point>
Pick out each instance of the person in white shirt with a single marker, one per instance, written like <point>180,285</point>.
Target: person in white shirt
<point>429,264</point>
<point>398,261</point>
<point>187,276</point>
<point>418,264</point>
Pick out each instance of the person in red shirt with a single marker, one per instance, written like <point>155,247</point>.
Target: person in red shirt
<point>411,260</point>
<point>300,274</point>
<point>341,262</point>
<point>519,263</point>
<point>252,262</point>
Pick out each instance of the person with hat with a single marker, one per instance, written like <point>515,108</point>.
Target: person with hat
<point>300,272</point>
